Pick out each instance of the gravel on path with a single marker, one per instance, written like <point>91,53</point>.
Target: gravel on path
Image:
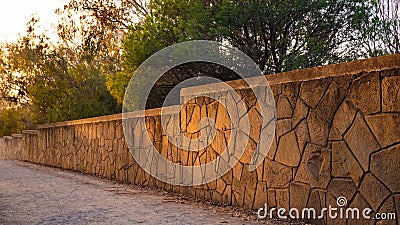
<point>33,194</point>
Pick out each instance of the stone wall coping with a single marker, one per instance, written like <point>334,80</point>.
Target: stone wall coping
<point>333,70</point>
<point>117,117</point>
<point>352,67</point>
<point>7,138</point>
<point>16,135</point>
<point>32,132</point>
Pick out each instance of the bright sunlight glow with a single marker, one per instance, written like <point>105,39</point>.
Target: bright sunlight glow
<point>14,14</point>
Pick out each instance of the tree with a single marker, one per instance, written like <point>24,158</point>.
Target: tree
<point>283,35</point>
<point>279,35</point>
<point>100,25</point>
<point>170,22</point>
<point>14,120</point>
<point>61,82</point>
<point>389,15</point>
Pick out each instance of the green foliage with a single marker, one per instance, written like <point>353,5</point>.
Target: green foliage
<point>383,34</point>
<point>279,35</point>
<point>169,22</point>
<point>292,34</point>
<point>86,73</point>
<point>62,82</point>
<point>14,120</point>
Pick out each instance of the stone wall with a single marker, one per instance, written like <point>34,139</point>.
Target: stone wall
<point>337,135</point>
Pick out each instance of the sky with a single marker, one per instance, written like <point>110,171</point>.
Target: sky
<point>14,14</point>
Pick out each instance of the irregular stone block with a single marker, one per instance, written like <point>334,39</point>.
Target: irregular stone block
<point>314,202</point>
<point>255,120</point>
<point>331,101</point>
<point>361,141</point>
<point>342,120</point>
<point>227,196</point>
<point>397,203</point>
<point>391,94</point>
<point>300,112</point>
<point>283,108</point>
<point>387,207</point>
<point>288,152</point>
<point>340,187</point>
<point>302,135</point>
<point>223,121</point>
<point>373,191</point>
<point>365,93</point>
<point>360,203</point>
<point>272,198</point>
<point>385,165</point>
<point>386,128</point>
<point>319,176</point>
<point>277,175</point>
<point>220,188</point>
<point>237,171</point>
<point>319,129</point>
<point>219,144</point>
<point>344,164</point>
<point>291,90</point>
<point>193,118</point>
<point>344,81</point>
<point>282,199</point>
<point>299,194</point>
<point>283,126</point>
<point>249,178</point>
<point>249,196</point>
<point>314,164</point>
<point>261,195</point>
<point>312,91</point>
<point>276,89</point>
<point>238,193</point>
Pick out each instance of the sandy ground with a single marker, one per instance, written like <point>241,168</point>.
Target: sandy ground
<point>33,194</point>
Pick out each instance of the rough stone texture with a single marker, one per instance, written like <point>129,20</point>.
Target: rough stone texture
<point>338,135</point>
<point>385,165</point>
<point>302,135</point>
<point>385,128</point>
<point>288,152</point>
<point>299,195</point>
<point>285,111</point>
<point>373,191</point>
<point>318,128</point>
<point>391,94</point>
<point>397,203</point>
<point>331,101</point>
<point>361,141</point>
<point>277,175</point>
<point>314,168</point>
<point>365,93</point>
<point>387,207</point>
<point>359,202</point>
<point>312,91</point>
<point>339,187</point>
<point>344,164</point>
<point>300,112</point>
<point>342,120</point>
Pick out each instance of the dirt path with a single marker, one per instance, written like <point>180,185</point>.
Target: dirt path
<point>32,194</point>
